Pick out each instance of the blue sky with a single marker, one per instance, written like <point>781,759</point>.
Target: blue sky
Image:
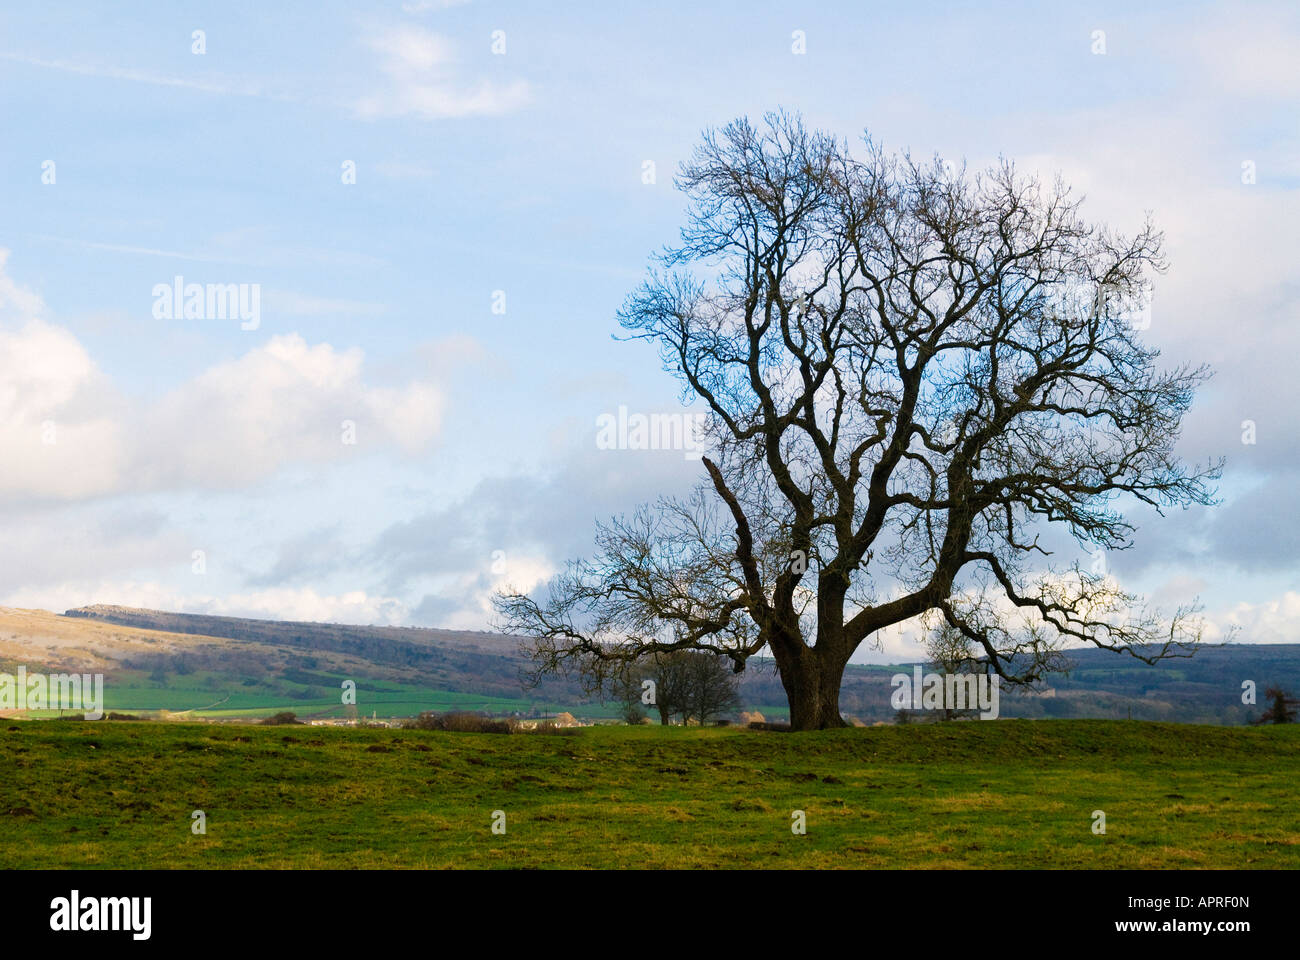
<point>523,172</point>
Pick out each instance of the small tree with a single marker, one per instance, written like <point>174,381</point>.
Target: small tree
<point>711,688</point>
<point>1283,709</point>
<point>668,676</point>
<point>283,717</point>
<point>686,684</point>
<point>671,675</point>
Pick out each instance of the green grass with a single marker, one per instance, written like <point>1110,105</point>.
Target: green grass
<point>133,692</point>
<point>1004,793</point>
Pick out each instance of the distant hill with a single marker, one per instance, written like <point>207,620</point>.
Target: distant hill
<point>456,660</point>
<point>226,666</point>
<point>1205,688</point>
<point>223,666</point>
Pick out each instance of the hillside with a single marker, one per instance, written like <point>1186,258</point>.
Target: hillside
<point>462,661</point>
<point>1205,688</point>
<point>229,666</point>
<point>224,667</point>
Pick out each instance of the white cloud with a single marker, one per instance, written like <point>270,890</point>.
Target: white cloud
<point>16,302</point>
<point>60,597</point>
<point>463,600</point>
<point>56,433</point>
<point>67,433</point>
<point>284,402</point>
<point>1273,621</point>
<point>407,50</point>
<point>282,603</point>
<point>422,81</point>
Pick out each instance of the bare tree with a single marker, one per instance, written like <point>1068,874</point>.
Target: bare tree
<point>909,372</point>
<point>686,684</point>
<point>667,675</point>
<point>711,689</point>
<point>671,674</point>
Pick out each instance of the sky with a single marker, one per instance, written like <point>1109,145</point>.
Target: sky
<point>441,206</point>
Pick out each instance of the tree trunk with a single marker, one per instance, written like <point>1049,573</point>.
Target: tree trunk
<point>812,685</point>
<point>663,716</point>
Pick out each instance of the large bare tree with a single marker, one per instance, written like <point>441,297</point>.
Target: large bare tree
<point>911,372</point>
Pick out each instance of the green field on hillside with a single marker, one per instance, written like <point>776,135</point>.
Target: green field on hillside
<point>1007,793</point>
<point>206,695</point>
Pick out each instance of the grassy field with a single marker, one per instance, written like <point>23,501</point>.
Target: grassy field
<point>203,695</point>
<point>1008,793</point>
